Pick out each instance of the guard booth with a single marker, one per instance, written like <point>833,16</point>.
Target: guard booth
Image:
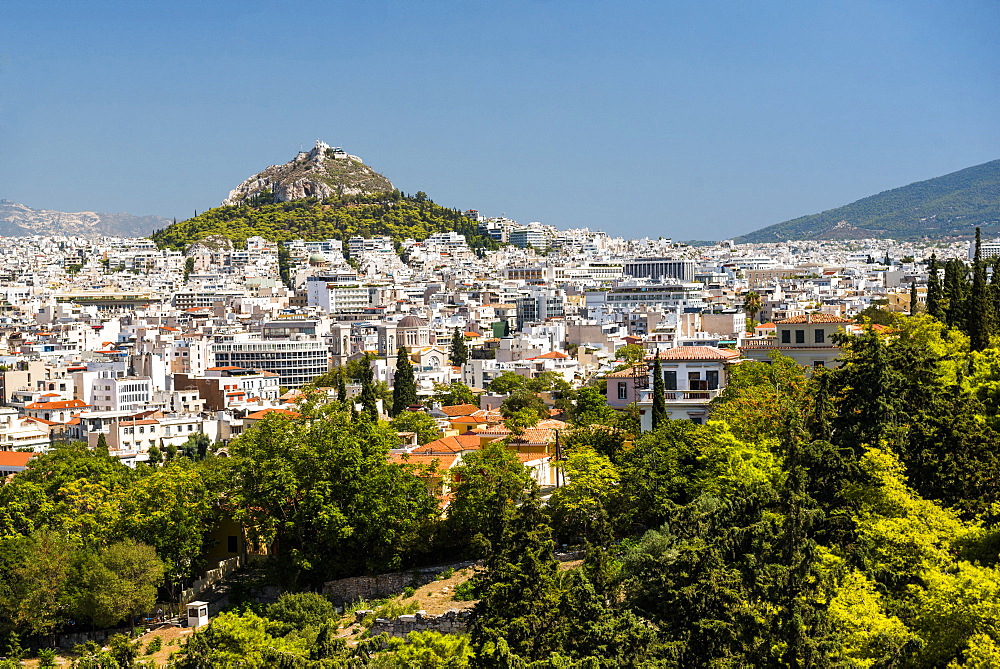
<point>197,614</point>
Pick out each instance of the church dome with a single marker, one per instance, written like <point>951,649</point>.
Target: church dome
<point>411,322</point>
<point>317,259</point>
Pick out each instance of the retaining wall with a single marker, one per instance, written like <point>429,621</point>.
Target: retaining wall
<point>347,590</point>
<point>450,622</point>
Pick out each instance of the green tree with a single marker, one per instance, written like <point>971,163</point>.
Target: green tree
<point>506,383</point>
<point>934,296</point>
<point>488,485</point>
<point>752,304</point>
<point>322,488</point>
<point>116,583</point>
<point>580,508</point>
<point>914,301</point>
<point>430,649</point>
<point>518,588</point>
<point>630,354</point>
<point>459,349</point>
<point>425,427</point>
<point>171,509</point>
<point>979,325</point>
<point>524,399</point>
<point>404,386</point>
<point>35,590</point>
<point>453,394</point>
<point>659,402</point>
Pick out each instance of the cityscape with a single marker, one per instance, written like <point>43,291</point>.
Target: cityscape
<point>499,335</point>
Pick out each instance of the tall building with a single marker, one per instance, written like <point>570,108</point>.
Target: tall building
<point>296,362</point>
<point>660,268</point>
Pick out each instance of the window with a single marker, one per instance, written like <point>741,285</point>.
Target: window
<point>622,390</point>
<point>712,376</point>
<point>670,379</point>
<point>231,544</point>
<point>786,336</point>
<point>819,336</point>
<point>819,363</point>
<point>800,336</point>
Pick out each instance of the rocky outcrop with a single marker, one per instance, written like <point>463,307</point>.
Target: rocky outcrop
<point>18,220</point>
<point>322,172</point>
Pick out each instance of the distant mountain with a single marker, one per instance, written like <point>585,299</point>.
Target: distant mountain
<point>321,172</point>
<point>947,206</point>
<point>18,220</point>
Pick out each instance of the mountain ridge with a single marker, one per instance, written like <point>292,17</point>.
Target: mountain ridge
<point>20,220</point>
<point>950,205</point>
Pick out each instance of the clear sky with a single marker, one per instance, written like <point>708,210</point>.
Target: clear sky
<point>691,120</point>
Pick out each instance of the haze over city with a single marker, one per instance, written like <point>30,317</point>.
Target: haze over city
<point>692,121</point>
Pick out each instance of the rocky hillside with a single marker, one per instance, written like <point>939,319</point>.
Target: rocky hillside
<point>18,220</point>
<point>322,172</point>
<point>948,206</point>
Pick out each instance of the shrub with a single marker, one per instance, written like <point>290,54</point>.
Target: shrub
<point>154,646</point>
<point>465,592</point>
<point>446,574</point>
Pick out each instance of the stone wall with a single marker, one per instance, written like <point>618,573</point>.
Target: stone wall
<point>450,622</point>
<point>347,590</point>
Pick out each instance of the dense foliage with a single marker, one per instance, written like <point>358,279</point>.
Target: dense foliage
<point>392,214</point>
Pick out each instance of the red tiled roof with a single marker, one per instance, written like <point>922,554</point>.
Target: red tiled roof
<point>438,462</point>
<point>637,370</point>
<point>698,353</point>
<point>463,442</point>
<point>14,458</point>
<point>814,318</point>
<point>257,415</point>
<point>457,410</point>
<point>551,355</point>
<point>65,404</point>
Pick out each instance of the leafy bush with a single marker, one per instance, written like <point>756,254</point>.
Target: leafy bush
<point>465,592</point>
<point>154,646</point>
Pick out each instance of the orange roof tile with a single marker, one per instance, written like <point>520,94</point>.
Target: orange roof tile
<point>65,404</point>
<point>257,415</point>
<point>698,353</point>
<point>14,458</point>
<point>814,318</point>
<point>456,410</point>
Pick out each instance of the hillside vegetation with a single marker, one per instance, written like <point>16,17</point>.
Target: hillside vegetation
<point>393,214</point>
<point>950,205</point>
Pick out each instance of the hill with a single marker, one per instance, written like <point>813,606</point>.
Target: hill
<point>322,172</point>
<point>946,206</point>
<point>393,214</point>
<point>18,220</point>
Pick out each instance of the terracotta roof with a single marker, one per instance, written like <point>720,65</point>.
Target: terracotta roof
<point>525,458</point>
<point>65,404</point>
<point>257,415</point>
<point>456,410</point>
<point>535,435</point>
<point>14,458</point>
<point>698,353</point>
<point>814,318</point>
<point>438,462</point>
<point>637,370</point>
<point>551,355</point>
<point>463,442</point>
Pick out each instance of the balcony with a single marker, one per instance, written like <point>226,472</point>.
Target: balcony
<point>690,395</point>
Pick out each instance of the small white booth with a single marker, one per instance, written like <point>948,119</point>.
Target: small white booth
<point>197,614</point>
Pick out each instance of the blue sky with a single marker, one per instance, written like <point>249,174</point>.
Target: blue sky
<point>693,120</point>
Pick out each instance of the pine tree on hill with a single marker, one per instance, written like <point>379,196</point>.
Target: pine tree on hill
<point>404,386</point>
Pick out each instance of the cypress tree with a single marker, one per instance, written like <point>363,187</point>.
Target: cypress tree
<point>341,385</point>
<point>913,298</point>
<point>369,405</point>
<point>659,403</point>
<point>934,290</point>
<point>978,321</point>
<point>459,349</point>
<point>404,386</point>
